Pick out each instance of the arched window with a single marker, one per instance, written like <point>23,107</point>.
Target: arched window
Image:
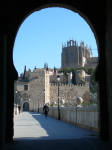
<point>71,55</point>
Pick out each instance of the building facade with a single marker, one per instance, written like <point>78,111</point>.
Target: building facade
<point>74,56</point>
<point>30,88</point>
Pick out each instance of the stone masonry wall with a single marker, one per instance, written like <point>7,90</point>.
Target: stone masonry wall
<point>39,81</point>
<point>47,92</point>
<point>67,92</point>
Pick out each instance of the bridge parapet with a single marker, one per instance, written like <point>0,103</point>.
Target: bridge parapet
<point>86,117</point>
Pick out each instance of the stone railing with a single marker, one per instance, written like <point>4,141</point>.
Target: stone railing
<point>86,117</point>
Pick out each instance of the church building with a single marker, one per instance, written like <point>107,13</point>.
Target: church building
<point>74,56</point>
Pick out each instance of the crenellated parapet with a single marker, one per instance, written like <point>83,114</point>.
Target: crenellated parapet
<point>67,92</point>
<point>70,43</point>
<point>67,85</point>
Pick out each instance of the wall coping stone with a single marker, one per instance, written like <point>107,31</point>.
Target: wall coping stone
<point>78,109</point>
<point>87,108</point>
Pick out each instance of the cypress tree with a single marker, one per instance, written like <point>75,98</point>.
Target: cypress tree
<point>24,72</point>
<point>54,70</point>
<point>73,78</point>
<point>47,68</point>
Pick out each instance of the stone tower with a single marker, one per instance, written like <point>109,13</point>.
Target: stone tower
<point>74,56</point>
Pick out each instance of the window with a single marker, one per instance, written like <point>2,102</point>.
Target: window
<point>25,87</point>
<point>71,55</point>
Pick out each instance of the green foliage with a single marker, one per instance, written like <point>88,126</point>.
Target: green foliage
<point>51,105</point>
<point>82,68</point>
<point>90,71</point>
<point>87,104</point>
<point>24,72</point>
<point>47,68</point>
<point>93,89</point>
<point>54,70</point>
<point>81,78</point>
<point>75,104</point>
<point>73,78</point>
<point>68,70</point>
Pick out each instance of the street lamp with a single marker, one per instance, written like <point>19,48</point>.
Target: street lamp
<point>16,97</point>
<point>19,100</point>
<point>38,103</point>
<point>58,79</point>
<point>44,97</point>
<point>21,104</point>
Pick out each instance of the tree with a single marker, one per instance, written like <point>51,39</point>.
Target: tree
<point>47,68</point>
<point>24,72</point>
<point>65,76</point>
<point>90,71</point>
<point>68,70</point>
<point>82,68</point>
<point>54,70</point>
<point>64,79</point>
<point>86,97</point>
<point>73,76</point>
<point>54,80</point>
<point>81,78</point>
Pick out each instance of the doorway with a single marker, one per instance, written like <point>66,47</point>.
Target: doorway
<point>26,106</point>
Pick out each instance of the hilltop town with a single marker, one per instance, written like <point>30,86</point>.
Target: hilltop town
<point>34,88</point>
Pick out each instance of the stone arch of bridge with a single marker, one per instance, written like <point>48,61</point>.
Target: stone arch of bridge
<point>94,15</point>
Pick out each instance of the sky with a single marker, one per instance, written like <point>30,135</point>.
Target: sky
<point>39,38</point>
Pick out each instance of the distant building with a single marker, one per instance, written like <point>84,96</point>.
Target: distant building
<point>74,56</point>
<point>30,88</point>
<point>45,65</point>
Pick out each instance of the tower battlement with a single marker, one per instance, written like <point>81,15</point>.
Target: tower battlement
<point>70,85</point>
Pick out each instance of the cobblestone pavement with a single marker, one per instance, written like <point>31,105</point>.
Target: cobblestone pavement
<point>33,131</point>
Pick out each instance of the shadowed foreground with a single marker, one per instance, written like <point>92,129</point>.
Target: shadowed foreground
<point>33,131</point>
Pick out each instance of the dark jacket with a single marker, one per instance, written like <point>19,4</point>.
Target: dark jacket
<point>46,108</point>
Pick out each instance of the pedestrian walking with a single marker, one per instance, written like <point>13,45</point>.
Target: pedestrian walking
<point>19,108</point>
<point>46,108</point>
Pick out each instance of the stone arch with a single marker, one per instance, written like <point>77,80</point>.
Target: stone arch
<point>75,10</point>
<point>50,5</point>
<point>62,5</point>
<point>11,21</point>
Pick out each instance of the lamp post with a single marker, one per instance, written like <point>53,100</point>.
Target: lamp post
<point>44,97</point>
<point>58,79</point>
<point>38,103</point>
<point>21,104</point>
<point>19,100</point>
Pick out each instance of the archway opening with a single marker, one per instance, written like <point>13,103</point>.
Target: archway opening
<point>26,106</point>
<point>34,101</point>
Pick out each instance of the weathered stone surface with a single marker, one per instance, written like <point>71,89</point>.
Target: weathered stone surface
<point>38,81</point>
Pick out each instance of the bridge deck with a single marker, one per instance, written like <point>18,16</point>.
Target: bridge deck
<point>35,131</point>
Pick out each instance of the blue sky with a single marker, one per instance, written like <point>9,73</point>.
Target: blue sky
<point>40,36</point>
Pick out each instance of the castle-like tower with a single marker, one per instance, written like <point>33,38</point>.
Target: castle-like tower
<point>74,56</point>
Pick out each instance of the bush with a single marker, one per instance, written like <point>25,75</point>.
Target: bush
<point>51,105</point>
